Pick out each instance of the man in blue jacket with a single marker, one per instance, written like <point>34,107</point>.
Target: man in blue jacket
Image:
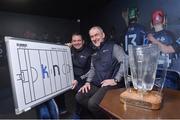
<point>81,59</point>
<point>105,72</point>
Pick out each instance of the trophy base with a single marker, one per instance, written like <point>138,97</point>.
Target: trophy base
<point>150,100</point>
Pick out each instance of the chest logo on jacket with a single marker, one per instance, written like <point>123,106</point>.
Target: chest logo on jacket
<point>106,50</point>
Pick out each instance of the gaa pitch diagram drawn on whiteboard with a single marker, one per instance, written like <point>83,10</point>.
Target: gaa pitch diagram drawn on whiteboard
<point>39,71</point>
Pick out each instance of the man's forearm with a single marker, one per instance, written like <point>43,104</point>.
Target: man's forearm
<point>165,48</point>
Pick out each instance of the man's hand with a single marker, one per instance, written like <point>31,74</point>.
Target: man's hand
<point>69,44</point>
<point>74,84</point>
<point>85,88</point>
<point>151,38</point>
<point>108,82</point>
<point>164,48</point>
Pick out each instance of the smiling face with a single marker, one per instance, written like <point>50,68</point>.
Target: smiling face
<point>77,41</point>
<point>97,36</point>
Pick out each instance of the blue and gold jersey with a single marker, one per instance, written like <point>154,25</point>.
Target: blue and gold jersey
<point>167,38</point>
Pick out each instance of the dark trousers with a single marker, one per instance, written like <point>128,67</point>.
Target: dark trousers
<point>92,99</point>
<point>78,107</point>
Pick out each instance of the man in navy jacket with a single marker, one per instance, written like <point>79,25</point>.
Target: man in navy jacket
<point>105,72</point>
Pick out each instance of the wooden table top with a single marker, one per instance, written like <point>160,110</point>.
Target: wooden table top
<point>170,108</point>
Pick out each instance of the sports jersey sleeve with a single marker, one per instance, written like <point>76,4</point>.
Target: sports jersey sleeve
<point>176,46</point>
<point>143,35</point>
<point>176,43</point>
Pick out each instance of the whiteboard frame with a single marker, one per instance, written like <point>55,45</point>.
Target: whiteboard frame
<point>18,108</point>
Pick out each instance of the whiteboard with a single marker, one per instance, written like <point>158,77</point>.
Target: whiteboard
<point>39,71</point>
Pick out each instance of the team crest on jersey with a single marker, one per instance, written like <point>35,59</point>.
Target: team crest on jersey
<point>162,39</point>
<point>94,54</point>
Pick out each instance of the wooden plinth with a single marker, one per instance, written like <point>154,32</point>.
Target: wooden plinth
<point>150,100</point>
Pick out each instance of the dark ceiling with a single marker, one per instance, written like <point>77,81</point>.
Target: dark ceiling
<point>70,9</point>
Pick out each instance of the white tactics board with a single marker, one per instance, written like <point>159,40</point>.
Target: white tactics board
<point>39,71</point>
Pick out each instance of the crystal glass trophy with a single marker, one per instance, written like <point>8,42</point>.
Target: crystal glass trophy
<point>143,86</point>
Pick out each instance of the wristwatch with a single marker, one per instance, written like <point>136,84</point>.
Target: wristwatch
<point>115,80</point>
